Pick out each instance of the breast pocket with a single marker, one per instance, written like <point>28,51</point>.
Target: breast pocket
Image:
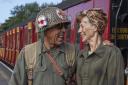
<point>42,68</point>
<point>39,71</point>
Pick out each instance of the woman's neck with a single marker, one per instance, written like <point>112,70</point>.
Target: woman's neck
<point>94,42</point>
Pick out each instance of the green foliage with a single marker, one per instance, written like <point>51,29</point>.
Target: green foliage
<point>21,14</point>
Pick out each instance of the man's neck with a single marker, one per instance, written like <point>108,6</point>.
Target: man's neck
<point>47,44</point>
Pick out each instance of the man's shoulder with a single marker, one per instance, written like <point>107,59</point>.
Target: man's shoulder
<point>30,54</point>
<point>30,49</point>
<point>31,45</point>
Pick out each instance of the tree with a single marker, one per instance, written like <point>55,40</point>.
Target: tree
<point>22,13</point>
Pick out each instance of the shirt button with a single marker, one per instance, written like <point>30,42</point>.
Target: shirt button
<point>86,76</point>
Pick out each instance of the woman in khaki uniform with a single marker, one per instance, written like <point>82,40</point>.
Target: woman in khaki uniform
<point>97,64</point>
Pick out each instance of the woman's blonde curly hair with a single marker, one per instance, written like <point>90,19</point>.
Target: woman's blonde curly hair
<point>96,17</point>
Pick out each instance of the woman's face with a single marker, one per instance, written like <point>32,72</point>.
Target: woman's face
<point>86,30</point>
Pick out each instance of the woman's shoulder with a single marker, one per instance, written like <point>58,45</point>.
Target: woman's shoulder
<point>112,48</point>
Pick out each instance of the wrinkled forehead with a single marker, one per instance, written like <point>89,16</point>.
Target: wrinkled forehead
<point>85,19</point>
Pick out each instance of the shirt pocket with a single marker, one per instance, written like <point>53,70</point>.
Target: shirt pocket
<point>40,69</point>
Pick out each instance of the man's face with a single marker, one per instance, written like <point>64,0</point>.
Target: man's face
<point>55,35</point>
<point>86,29</point>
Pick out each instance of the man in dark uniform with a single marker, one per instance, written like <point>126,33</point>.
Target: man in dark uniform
<point>49,61</point>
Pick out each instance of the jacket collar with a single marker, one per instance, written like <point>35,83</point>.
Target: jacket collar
<point>100,51</point>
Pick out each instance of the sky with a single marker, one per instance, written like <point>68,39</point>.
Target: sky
<point>7,5</point>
